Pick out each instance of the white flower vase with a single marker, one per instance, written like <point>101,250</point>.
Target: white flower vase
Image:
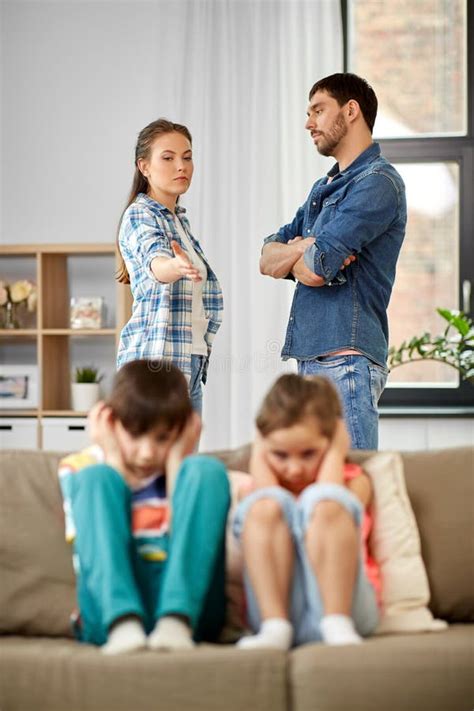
<point>84,396</point>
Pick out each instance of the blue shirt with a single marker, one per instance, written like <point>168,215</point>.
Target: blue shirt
<point>161,322</point>
<point>361,211</point>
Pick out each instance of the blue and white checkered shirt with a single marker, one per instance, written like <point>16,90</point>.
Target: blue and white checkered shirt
<point>161,322</point>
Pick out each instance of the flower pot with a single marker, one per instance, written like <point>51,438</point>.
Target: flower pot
<point>84,395</point>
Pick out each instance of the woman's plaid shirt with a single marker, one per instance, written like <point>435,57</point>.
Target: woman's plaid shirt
<point>161,326</point>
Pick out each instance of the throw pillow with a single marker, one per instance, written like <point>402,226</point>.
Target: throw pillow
<point>395,546</point>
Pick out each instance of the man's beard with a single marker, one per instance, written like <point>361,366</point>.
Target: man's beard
<point>331,139</point>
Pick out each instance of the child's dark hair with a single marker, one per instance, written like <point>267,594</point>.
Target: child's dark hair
<point>149,393</point>
<point>293,398</point>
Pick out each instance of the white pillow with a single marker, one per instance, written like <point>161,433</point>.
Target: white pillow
<point>395,546</point>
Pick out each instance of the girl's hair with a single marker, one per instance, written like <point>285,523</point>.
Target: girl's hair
<point>293,398</point>
<point>145,140</point>
<point>149,393</point>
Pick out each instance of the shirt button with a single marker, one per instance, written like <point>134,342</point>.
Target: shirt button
<point>314,203</point>
<point>291,318</point>
<point>308,231</point>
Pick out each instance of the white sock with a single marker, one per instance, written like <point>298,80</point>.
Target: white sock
<point>339,629</point>
<point>126,636</point>
<point>275,633</point>
<point>171,633</point>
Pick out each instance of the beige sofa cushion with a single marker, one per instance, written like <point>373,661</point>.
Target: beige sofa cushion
<point>440,485</point>
<point>425,673</point>
<point>37,592</point>
<point>62,675</point>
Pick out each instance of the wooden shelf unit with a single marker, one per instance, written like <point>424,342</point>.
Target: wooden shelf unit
<point>52,335</point>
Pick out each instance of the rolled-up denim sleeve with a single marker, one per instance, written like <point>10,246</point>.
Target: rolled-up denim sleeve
<point>364,214</point>
<point>289,231</point>
<point>141,237</point>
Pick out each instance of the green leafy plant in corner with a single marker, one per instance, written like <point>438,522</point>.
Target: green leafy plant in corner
<point>455,346</point>
<point>87,374</point>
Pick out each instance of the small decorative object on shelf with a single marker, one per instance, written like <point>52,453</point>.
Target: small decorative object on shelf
<point>18,387</point>
<point>87,311</point>
<point>85,388</point>
<point>16,301</point>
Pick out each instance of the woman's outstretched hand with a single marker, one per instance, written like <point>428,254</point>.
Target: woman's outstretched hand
<point>183,264</point>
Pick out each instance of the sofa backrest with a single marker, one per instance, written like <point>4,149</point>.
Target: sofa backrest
<point>37,592</point>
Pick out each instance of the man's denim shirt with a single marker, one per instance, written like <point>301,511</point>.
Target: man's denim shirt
<point>362,211</point>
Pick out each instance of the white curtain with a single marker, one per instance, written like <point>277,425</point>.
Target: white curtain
<point>238,74</point>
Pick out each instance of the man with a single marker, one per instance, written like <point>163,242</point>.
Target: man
<point>342,248</point>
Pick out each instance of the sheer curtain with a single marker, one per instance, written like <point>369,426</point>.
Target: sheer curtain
<point>238,74</point>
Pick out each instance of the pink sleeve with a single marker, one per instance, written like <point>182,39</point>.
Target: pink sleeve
<point>351,471</point>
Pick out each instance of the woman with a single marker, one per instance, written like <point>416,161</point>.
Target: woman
<point>177,299</point>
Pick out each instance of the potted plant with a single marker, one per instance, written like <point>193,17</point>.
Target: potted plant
<point>455,346</point>
<point>85,388</point>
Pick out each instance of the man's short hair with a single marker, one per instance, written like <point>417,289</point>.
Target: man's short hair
<point>346,86</point>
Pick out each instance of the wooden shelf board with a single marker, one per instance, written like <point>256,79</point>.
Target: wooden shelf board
<point>19,413</point>
<point>18,332</point>
<point>60,248</point>
<point>62,413</point>
<point>78,332</point>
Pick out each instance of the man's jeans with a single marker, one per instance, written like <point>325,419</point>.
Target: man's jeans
<point>360,383</point>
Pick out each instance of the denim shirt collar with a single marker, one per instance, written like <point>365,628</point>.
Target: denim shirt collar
<point>154,205</point>
<point>367,156</point>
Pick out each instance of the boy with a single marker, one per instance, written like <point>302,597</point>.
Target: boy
<point>140,581</point>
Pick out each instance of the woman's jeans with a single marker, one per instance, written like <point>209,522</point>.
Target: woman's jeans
<point>360,383</point>
<point>306,605</point>
<point>195,384</point>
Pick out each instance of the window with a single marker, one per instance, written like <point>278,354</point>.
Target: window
<point>419,57</point>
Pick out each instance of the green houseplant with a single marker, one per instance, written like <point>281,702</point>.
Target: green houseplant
<point>87,374</point>
<point>85,388</point>
<point>454,347</point>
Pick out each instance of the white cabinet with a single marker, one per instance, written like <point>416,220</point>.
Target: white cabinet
<point>64,434</point>
<point>60,434</point>
<point>18,433</point>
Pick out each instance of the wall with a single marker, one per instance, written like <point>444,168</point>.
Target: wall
<point>414,433</point>
<point>74,94</point>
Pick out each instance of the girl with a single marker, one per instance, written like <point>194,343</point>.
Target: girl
<point>141,580</point>
<point>177,307</point>
<point>306,578</point>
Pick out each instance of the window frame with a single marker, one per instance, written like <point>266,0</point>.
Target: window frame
<point>459,149</point>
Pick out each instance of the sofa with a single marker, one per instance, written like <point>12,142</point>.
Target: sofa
<point>43,669</point>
